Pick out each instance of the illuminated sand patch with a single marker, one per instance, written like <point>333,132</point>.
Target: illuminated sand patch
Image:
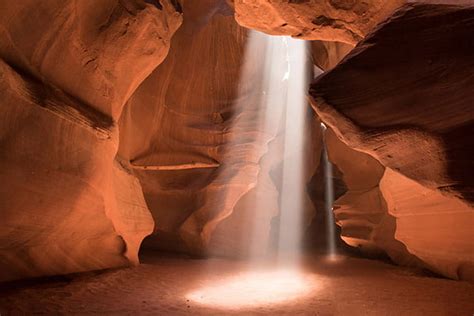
<point>251,289</point>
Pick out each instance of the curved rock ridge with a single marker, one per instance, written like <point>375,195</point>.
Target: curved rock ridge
<point>403,129</point>
<point>252,229</point>
<point>66,69</point>
<point>96,53</point>
<point>365,218</point>
<point>56,213</point>
<point>326,55</point>
<point>434,227</point>
<point>418,125</point>
<point>194,136</point>
<point>184,115</point>
<point>347,21</point>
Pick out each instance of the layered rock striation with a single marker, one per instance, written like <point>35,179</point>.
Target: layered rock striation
<point>66,70</point>
<point>195,135</point>
<point>404,96</point>
<point>93,136</point>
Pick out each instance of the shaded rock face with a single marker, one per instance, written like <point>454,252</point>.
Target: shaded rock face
<point>66,70</point>
<point>317,235</point>
<point>426,135</point>
<point>328,20</point>
<point>417,125</point>
<point>326,55</point>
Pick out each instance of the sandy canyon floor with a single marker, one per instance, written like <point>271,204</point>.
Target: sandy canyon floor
<point>165,285</point>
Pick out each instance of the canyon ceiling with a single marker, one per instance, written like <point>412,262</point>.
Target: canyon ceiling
<point>124,119</point>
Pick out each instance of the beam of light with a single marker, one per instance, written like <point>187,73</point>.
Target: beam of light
<point>329,199</point>
<point>293,183</point>
<point>278,115</point>
<point>269,115</point>
<point>256,288</point>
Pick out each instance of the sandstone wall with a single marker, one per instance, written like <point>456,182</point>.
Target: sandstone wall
<point>66,70</point>
<point>401,102</point>
<point>195,137</point>
<point>399,105</point>
<point>404,96</point>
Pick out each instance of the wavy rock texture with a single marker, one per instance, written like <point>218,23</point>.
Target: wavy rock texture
<point>418,124</point>
<point>253,227</point>
<point>326,55</point>
<point>439,87</point>
<point>365,219</point>
<point>53,216</point>
<point>346,21</point>
<point>98,53</point>
<point>177,126</point>
<point>66,69</point>
<point>435,228</point>
<point>399,105</point>
<point>128,211</point>
<point>193,133</point>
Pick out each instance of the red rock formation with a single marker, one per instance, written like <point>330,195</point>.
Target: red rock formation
<point>179,123</point>
<point>66,70</point>
<point>253,226</point>
<point>346,21</point>
<point>418,124</point>
<point>194,134</point>
<point>418,109</point>
<point>400,106</point>
<point>435,228</point>
<point>96,53</point>
<point>326,55</point>
<point>52,148</point>
<point>362,212</point>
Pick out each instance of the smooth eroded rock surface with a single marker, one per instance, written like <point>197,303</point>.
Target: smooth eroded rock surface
<point>66,69</point>
<point>404,96</point>
<point>52,210</point>
<point>178,127</point>
<point>326,55</point>
<point>195,135</point>
<point>419,121</point>
<point>436,228</point>
<point>362,212</point>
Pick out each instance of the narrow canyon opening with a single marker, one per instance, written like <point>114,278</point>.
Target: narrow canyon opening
<point>236,157</point>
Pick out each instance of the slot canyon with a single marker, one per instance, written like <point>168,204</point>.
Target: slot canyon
<point>237,157</point>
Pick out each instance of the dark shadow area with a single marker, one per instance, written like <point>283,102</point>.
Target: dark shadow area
<point>316,235</point>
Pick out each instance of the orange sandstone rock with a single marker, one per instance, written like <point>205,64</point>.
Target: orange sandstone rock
<point>98,53</point>
<point>66,69</point>
<point>326,55</point>
<point>346,21</point>
<point>404,96</point>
